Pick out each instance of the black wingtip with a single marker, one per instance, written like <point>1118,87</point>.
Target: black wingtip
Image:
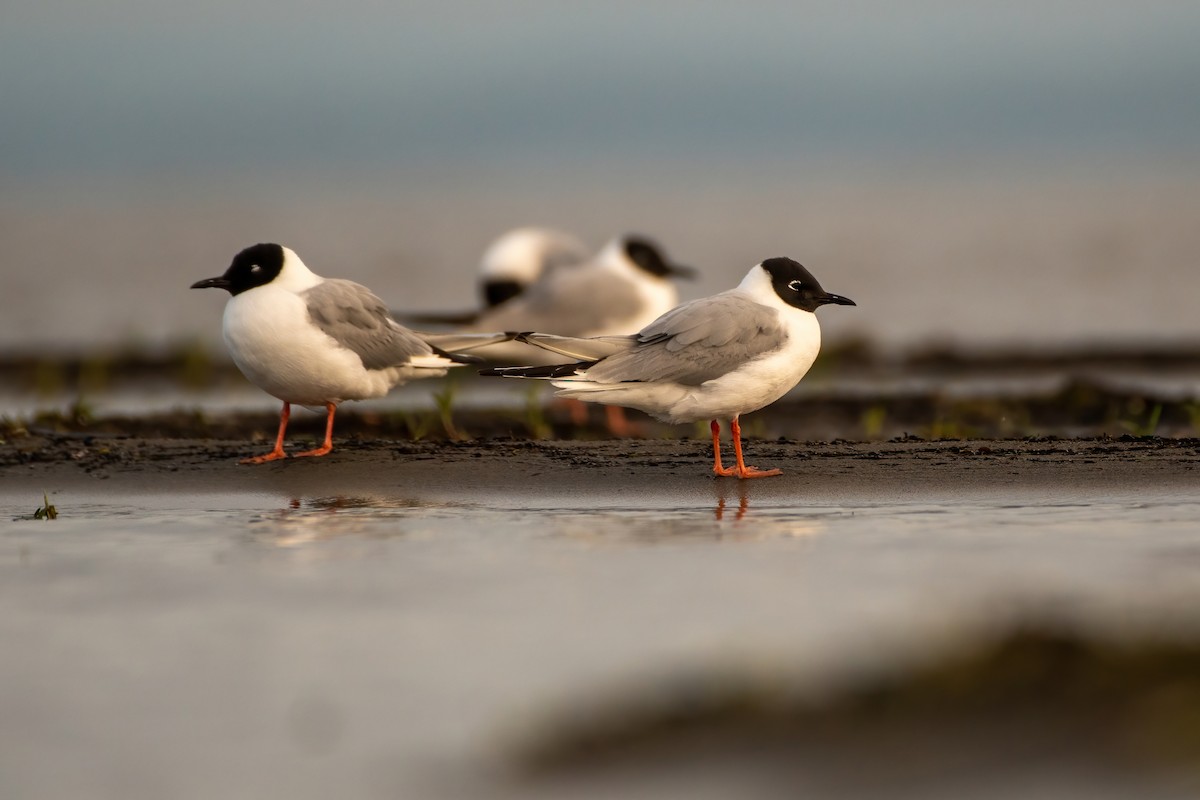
<point>551,371</point>
<point>457,358</point>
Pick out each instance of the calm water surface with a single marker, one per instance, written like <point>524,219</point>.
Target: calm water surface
<point>259,644</point>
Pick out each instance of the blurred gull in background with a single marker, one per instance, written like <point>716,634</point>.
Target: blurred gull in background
<point>627,285</point>
<point>521,256</point>
<point>510,264</point>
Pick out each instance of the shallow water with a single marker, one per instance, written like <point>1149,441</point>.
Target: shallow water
<point>261,644</point>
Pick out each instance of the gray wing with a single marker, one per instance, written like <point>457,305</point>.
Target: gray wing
<point>359,321</point>
<point>696,342</point>
<point>570,301</point>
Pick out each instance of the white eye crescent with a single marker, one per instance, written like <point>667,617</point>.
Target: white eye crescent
<point>795,286</point>
<point>257,269</point>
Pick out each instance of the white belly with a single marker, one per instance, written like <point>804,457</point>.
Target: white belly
<point>275,346</point>
<point>755,386</point>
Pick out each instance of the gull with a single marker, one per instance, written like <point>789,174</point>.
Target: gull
<point>714,358</point>
<point>314,341</point>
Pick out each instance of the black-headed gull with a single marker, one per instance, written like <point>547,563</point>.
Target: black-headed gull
<point>316,341</point>
<point>714,358</point>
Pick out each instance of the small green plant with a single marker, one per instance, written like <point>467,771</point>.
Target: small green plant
<point>417,424</point>
<point>47,510</point>
<point>1146,427</point>
<point>444,401</point>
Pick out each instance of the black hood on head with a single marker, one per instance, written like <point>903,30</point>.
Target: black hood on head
<point>255,266</point>
<point>649,258</point>
<point>797,287</point>
<point>498,290</point>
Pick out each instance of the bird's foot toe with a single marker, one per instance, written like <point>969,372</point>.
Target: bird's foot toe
<point>320,451</point>
<point>274,455</point>
<point>755,472</point>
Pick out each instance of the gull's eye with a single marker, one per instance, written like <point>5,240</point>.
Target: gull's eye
<point>795,286</point>
<point>254,270</point>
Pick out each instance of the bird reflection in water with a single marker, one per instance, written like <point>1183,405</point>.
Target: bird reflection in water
<point>742,508</point>
<point>312,519</point>
<point>768,521</point>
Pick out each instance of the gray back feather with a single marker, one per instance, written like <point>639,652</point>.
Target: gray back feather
<point>573,300</point>
<point>696,342</point>
<point>359,321</point>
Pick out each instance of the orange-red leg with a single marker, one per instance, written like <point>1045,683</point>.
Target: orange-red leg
<point>742,471</point>
<point>715,427</point>
<point>325,448</point>
<point>277,453</point>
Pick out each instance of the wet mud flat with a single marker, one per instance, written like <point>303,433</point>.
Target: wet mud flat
<point>531,469</point>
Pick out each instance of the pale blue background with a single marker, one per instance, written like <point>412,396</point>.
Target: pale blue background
<point>140,85</point>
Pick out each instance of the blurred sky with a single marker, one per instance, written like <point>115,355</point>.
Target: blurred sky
<point>909,147</point>
<point>139,84</point>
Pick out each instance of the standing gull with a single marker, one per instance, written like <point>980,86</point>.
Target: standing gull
<point>316,341</point>
<point>714,358</point>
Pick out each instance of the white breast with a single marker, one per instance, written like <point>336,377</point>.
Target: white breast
<point>279,350</point>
